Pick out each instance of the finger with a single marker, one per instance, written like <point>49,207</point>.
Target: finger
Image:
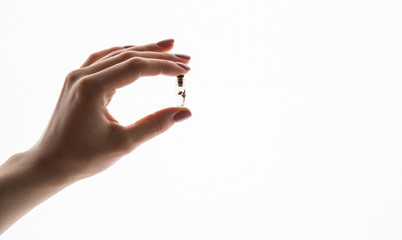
<point>155,124</point>
<point>130,70</point>
<point>98,55</point>
<point>123,56</point>
<point>162,46</point>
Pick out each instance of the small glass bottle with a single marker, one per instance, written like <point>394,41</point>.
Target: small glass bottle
<point>180,91</point>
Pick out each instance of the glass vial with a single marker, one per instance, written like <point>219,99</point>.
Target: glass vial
<point>180,91</point>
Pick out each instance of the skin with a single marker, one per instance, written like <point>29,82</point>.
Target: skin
<point>82,137</point>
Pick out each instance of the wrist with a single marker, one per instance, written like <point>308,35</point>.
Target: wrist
<point>25,183</point>
<point>31,167</point>
<point>47,168</point>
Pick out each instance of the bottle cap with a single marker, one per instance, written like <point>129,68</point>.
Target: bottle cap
<point>180,80</point>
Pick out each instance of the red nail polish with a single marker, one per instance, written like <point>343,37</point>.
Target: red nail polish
<point>128,46</point>
<point>183,56</point>
<point>165,43</point>
<point>182,115</point>
<point>182,65</point>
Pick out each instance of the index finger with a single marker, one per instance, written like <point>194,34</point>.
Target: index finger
<point>161,46</point>
<point>130,70</point>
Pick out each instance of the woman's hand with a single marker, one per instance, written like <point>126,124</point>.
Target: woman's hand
<point>82,137</point>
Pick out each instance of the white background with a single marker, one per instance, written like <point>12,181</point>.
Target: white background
<point>296,127</point>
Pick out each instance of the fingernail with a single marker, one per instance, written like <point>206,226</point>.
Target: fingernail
<point>183,66</point>
<point>165,43</point>
<point>180,116</point>
<point>183,56</point>
<point>128,46</point>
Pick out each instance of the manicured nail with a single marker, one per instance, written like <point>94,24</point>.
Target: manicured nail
<point>183,56</point>
<point>183,66</point>
<point>182,115</point>
<point>165,43</point>
<point>128,46</point>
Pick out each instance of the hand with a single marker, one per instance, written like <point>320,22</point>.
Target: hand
<point>82,137</point>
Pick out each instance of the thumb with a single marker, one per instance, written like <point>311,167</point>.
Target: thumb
<point>156,123</point>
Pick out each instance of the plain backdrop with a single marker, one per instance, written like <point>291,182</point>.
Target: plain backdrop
<point>296,127</point>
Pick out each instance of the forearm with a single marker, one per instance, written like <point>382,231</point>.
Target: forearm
<point>24,184</point>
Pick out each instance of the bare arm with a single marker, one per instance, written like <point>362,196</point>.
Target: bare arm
<point>82,137</point>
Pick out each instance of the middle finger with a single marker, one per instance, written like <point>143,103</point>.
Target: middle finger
<point>123,56</point>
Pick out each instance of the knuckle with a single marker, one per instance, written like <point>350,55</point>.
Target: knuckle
<point>172,56</point>
<point>113,53</point>
<point>135,61</point>
<point>166,56</point>
<point>93,57</point>
<point>160,126</point>
<point>127,54</point>
<point>85,89</point>
<point>73,76</point>
<point>115,49</point>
